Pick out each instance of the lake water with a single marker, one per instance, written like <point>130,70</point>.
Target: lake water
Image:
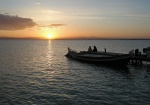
<point>36,72</point>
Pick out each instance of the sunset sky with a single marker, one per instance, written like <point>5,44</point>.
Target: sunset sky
<point>59,19</point>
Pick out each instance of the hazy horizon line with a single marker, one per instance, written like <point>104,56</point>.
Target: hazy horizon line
<point>41,38</point>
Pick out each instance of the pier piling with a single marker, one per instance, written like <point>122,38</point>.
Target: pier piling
<point>138,60</point>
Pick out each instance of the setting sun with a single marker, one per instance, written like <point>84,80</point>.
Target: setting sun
<point>49,36</point>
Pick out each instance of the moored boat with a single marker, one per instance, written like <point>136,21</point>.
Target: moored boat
<point>102,58</point>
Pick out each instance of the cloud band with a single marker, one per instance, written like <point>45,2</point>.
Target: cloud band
<point>8,22</point>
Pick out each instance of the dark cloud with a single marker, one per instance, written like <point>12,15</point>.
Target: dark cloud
<point>8,22</point>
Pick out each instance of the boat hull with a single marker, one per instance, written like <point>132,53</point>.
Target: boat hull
<point>101,59</point>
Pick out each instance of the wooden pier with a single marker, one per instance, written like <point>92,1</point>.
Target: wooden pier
<point>137,60</point>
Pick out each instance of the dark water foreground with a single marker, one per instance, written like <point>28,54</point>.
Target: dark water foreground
<point>37,72</point>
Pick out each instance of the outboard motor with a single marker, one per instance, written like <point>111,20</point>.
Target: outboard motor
<point>145,50</point>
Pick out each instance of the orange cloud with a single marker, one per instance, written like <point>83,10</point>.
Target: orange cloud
<point>51,25</point>
<point>56,25</point>
<point>8,22</point>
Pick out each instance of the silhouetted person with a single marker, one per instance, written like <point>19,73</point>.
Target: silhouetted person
<point>131,53</point>
<point>89,49</point>
<point>105,50</point>
<point>148,54</point>
<point>136,52</point>
<point>95,49</point>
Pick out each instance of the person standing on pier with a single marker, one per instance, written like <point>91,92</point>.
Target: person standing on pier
<point>105,50</point>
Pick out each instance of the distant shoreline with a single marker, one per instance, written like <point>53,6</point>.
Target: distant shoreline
<point>38,38</point>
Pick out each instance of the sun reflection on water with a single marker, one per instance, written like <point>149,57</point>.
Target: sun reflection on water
<point>49,53</point>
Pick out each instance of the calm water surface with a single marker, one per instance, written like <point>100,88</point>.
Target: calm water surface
<point>37,72</point>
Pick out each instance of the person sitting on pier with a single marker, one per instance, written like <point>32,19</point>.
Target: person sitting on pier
<point>148,54</point>
<point>136,52</point>
<point>95,49</point>
<point>131,53</point>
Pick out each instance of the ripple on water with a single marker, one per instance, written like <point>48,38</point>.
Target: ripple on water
<point>37,72</point>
